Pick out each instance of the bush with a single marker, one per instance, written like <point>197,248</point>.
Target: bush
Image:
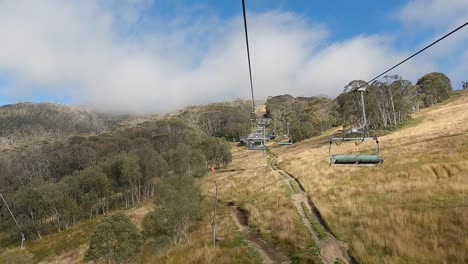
<point>115,239</point>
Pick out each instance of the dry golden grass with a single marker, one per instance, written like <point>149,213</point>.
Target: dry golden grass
<point>250,184</point>
<point>412,208</point>
<point>231,249</point>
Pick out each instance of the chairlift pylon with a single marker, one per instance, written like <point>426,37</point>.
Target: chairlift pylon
<point>358,136</point>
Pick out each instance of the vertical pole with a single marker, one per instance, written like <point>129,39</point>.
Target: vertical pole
<point>16,222</point>
<point>288,128</point>
<point>213,224</point>
<point>22,241</point>
<point>264,141</point>
<point>364,120</point>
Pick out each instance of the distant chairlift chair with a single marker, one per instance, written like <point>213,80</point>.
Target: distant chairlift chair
<point>286,139</point>
<point>257,140</point>
<point>358,136</point>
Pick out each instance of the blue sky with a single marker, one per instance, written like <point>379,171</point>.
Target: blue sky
<point>157,56</point>
<point>344,18</point>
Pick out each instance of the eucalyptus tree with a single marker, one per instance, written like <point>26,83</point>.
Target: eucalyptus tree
<point>434,87</point>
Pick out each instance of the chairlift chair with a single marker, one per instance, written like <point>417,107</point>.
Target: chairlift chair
<point>358,136</point>
<point>256,141</point>
<point>272,134</point>
<point>286,139</point>
<point>262,121</point>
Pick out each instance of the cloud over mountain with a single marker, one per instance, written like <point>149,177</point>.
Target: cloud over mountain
<point>123,58</point>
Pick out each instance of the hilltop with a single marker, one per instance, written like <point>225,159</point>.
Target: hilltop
<point>26,124</point>
<point>29,119</point>
<point>32,124</point>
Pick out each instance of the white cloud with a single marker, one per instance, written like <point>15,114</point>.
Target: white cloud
<point>434,13</point>
<point>121,58</point>
<point>440,17</point>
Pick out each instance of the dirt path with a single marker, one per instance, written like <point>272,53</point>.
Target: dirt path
<point>330,249</point>
<point>268,253</point>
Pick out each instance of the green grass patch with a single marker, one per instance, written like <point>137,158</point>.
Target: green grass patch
<point>288,191</point>
<point>412,121</point>
<point>309,254</point>
<point>9,240</point>
<point>338,261</point>
<point>312,248</point>
<point>250,256</point>
<point>58,243</point>
<point>237,242</point>
<point>295,186</point>
<point>409,122</point>
<point>316,226</point>
<point>453,95</point>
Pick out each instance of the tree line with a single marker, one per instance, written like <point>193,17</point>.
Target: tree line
<point>229,120</point>
<point>177,206</point>
<point>28,119</point>
<point>53,186</point>
<point>388,103</point>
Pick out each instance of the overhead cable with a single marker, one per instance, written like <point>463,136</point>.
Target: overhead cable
<point>398,64</point>
<point>248,54</point>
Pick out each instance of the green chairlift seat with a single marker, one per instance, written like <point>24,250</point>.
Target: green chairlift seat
<point>354,160</point>
<point>287,140</point>
<point>256,147</point>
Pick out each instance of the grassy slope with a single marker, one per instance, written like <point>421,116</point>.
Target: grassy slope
<point>70,245</point>
<point>414,207</point>
<point>251,185</point>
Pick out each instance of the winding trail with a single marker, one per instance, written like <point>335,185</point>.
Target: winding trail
<point>331,249</point>
<point>268,252</point>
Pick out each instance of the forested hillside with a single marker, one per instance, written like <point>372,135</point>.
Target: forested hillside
<point>228,120</point>
<point>29,119</point>
<point>55,186</point>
